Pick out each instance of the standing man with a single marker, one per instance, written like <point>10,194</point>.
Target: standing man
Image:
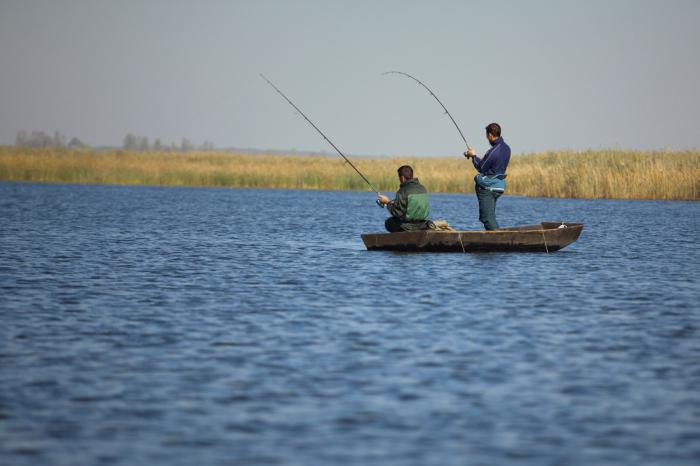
<point>490,183</point>
<point>410,210</point>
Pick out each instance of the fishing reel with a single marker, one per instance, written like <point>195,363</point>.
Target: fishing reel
<point>379,203</point>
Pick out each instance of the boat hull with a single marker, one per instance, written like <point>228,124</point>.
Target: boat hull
<point>545,237</point>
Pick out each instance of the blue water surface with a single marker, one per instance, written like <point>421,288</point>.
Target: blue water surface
<point>177,326</point>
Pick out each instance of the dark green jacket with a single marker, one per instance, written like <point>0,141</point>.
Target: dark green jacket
<point>411,203</point>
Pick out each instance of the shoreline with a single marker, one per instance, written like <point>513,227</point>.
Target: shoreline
<point>632,175</point>
<point>390,193</point>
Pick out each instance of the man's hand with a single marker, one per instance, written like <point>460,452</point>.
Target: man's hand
<point>383,200</point>
<point>470,153</point>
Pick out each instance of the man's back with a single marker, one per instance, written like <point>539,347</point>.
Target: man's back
<point>495,161</point>
<point>411,203</point>
<point>410,209</point>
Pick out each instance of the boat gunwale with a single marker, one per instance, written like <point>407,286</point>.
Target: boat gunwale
<point>522,229</point>
<point>549,237</point>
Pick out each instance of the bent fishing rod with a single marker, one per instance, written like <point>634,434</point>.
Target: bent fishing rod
<point>376,191</point>
<point>436,98</point>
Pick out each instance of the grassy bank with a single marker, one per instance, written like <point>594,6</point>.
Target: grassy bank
<point>592,174</point>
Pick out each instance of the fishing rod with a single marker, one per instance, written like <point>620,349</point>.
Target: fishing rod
<point>376,191</point>
<point>436,98</point>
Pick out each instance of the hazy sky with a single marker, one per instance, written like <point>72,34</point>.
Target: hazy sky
<point>555,74</point>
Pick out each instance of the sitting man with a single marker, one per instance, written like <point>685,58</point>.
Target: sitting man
<point>410,210</point>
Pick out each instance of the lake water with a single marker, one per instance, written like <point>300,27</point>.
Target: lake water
<point>175,326</point>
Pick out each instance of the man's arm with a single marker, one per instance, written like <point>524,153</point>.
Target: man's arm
<point>397,207</point>
<point>385,201</point>
<point>475,159</point>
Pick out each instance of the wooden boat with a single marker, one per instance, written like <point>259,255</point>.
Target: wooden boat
<point>545,237</point>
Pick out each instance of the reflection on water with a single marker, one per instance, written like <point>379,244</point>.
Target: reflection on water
<point>170,326</point>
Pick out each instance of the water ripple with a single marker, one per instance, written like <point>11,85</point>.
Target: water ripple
<point>174,326</point>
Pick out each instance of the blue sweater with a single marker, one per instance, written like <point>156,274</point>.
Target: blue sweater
<point>495,160</point>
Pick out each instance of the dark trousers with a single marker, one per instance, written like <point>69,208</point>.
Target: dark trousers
<point>487,207</point>
<point>395,225</point>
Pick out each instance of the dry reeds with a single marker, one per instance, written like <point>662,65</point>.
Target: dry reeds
<point>591,174</point>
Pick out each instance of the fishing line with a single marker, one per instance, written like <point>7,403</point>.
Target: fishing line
<point>321,133</point>
<point>436,98</point>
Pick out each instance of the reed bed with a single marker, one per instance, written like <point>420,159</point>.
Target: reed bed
<point>592,174</point>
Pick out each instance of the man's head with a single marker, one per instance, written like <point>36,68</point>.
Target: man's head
<point>405,173</point>
<point>493,132</point>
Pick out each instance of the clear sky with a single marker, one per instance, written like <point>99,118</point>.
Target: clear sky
<point>555,74</point>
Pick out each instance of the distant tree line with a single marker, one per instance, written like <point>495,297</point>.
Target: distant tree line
<point>141,143</point>
<point>40,139</point>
